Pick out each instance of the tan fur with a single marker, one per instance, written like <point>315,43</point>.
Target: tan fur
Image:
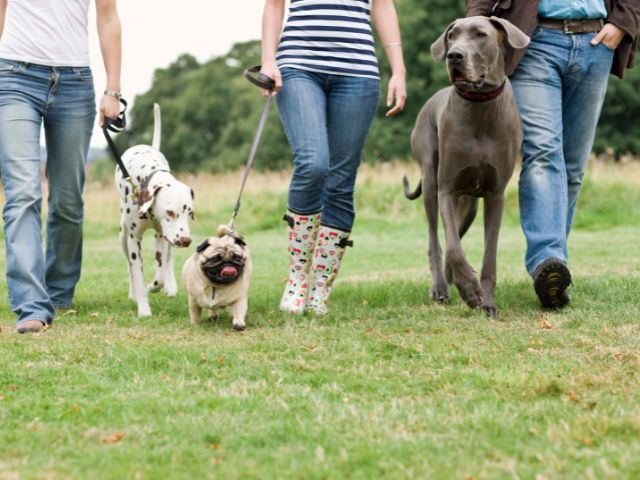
<point>200,289</point>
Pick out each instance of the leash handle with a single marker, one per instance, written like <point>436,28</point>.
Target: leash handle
<point>255,76</point>
<point>117,125</point>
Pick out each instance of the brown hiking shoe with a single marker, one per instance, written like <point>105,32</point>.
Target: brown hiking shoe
<point>30,326</point>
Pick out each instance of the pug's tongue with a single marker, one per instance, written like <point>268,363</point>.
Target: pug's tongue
<point>228,271</point>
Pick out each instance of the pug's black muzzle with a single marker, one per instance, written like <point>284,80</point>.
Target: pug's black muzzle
<point>213,270</point>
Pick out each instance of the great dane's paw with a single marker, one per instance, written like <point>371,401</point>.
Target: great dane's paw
<point>154,287</point>
<point>490,309</point>
<point>470,292</point>
<point>239,327</point>
<point>439,292</point>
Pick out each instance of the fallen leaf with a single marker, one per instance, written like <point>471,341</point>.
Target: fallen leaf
<point>2,397</point>
<point>573,397</point>
<point>587,441</point>
<point>203,358</point>
<point>70,312</point>
<point>74,408</point>
<point>617,356</point>
<point>536,342</point>
<point>220,361</point>
<point>532,350</point>
<point>113,438</point>
<point>543,324</point>
<point>94,314</point>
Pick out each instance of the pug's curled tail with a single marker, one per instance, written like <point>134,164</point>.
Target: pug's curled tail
<point>223,230</point>
<point>409,194</point>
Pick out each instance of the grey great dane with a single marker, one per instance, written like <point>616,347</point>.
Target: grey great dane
<point>466,139</point>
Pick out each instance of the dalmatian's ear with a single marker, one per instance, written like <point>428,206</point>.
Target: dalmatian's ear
<point>145,199</point>
<point>203,246</point>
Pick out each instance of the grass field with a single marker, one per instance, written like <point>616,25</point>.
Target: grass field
<point>389,385</point>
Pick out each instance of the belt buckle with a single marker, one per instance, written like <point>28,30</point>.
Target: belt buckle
<point>566,27</point>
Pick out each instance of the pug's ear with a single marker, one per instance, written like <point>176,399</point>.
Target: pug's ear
<point>203,246</point>
<point>239,240</point>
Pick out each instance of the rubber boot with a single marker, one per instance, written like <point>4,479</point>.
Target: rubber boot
<point>303,230</point>
<point>327,258</point>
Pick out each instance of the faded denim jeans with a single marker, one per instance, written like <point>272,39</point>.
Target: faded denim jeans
<point>326,119</point>
<point>560,86</point>
<point>63,100</point>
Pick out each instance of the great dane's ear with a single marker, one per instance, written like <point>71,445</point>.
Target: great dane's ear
<point>203,246</point>
<point>439,47</point>
<point>145,199</point>
<point>513,35</point>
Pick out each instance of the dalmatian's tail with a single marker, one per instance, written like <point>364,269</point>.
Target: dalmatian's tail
<point>157,127</point>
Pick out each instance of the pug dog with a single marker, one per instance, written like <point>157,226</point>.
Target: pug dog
<point>218,275</point>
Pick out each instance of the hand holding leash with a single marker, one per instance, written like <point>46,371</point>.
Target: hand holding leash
<point>117,125</point>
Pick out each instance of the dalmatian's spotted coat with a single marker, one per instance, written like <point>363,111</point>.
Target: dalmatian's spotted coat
<point>161,202</point>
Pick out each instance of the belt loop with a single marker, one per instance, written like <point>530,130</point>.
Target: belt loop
<point>565,24</point>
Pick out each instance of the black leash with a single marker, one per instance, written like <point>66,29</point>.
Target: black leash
<point>261,80</point>
<point>118,125</point>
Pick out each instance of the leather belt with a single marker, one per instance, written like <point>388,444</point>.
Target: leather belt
<point>571,26</point>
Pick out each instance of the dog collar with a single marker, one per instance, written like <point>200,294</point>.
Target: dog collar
<point>481,96</point>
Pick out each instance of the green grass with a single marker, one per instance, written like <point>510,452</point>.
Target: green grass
<point>389,385</point>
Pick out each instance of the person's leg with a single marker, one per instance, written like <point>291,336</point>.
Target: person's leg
<point>68,123</point>
<point>302,107</point>
<point>537,85</point>
<point>352,105</point>
<point>585,86</point>
<point>22,91</point>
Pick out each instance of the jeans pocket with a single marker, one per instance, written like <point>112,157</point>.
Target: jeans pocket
<point>7,67</point>
<point>84,73</point>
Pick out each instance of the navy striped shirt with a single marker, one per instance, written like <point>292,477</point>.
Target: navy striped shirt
<point>329,36</point>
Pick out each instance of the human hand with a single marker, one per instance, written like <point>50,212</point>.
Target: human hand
<point>109,107</point>
<point>611,35</point>
<point>396,91</point>
<point>271,70</point>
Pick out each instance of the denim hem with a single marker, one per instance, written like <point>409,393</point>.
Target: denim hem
<point>296,212</point>
<point>335,227</point>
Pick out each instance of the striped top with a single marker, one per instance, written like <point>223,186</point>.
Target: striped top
<point>329,36</point>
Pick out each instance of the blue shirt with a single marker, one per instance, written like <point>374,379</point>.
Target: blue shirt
<point>572,9</point>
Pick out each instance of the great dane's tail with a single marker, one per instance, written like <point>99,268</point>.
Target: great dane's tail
<point>409,194</point>
<point>157,127</point>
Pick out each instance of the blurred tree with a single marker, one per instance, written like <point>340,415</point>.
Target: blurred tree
<point>210,112</point>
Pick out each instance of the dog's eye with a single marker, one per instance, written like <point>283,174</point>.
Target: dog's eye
<point>237,257</point>
<point>481,34</point>
<point>171,214</point>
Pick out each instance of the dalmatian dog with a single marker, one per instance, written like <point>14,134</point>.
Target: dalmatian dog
<point>153,198</point>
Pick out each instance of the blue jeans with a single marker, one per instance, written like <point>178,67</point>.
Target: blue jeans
<point>326,119</point>
<point>560,86</point>
<point>62,99</point>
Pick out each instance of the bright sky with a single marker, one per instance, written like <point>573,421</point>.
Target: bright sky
<point>156,32</point>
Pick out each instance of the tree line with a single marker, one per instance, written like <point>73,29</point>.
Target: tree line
<point>210,112</point>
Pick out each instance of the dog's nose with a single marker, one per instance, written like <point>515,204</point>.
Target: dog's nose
<point>455,55</point>
<point>184,241</point>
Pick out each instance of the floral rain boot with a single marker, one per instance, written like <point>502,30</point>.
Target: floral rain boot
<point>327,258</point>
<point>303,230</point>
